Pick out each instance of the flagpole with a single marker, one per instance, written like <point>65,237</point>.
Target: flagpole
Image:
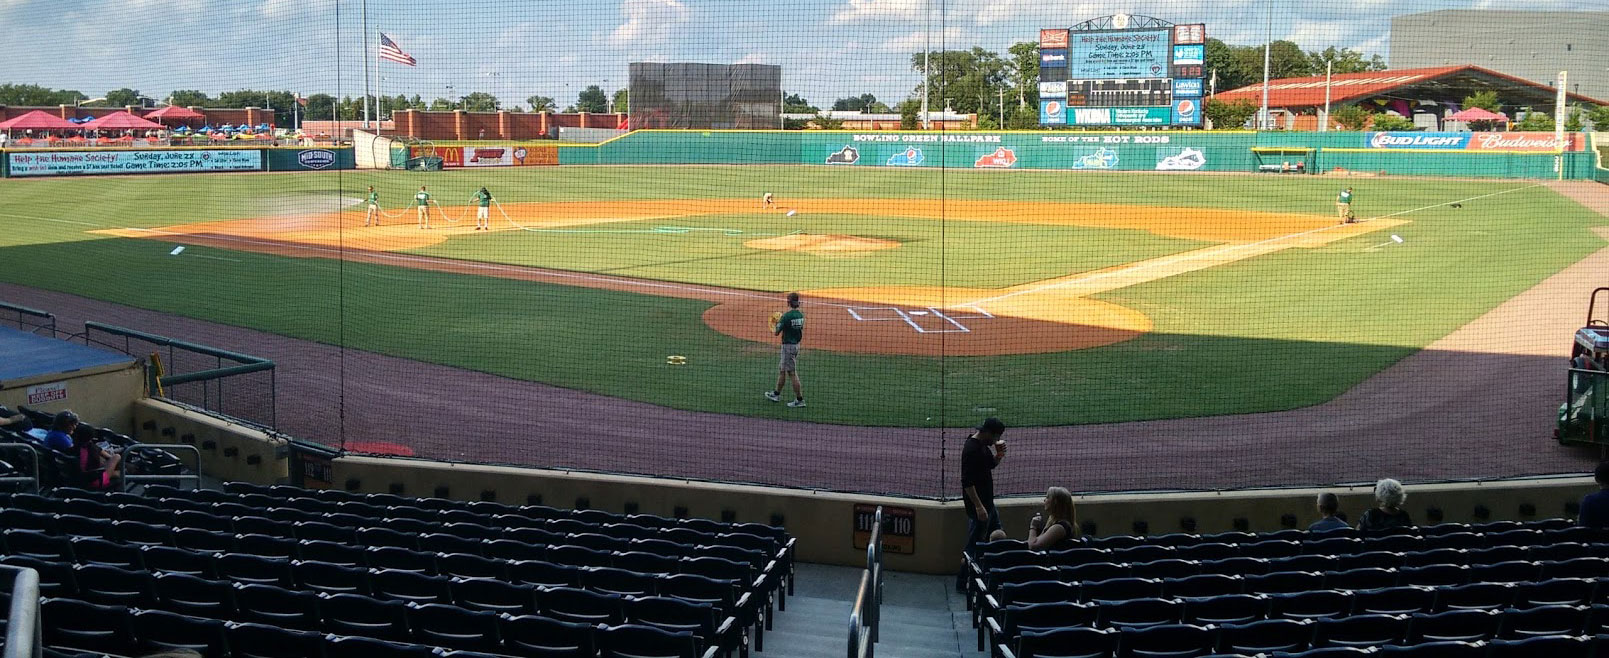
<point>366,63</point>
<point>379,105</point>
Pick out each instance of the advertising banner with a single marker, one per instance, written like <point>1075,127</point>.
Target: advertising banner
<point>1126,54</point>
<point>1187,111</point>
<point>496,156</point>
<point>1196,33</point>
<point>1053,38</point>
<point>1053,90</point>
<point>1187,87</point>
<point>1533,142</point>
<point>1052,112</point>
<point>451,156</point>
<point>1119,116</point>
<point>1056,58</point>
<point>1184,55</point>
<point>535,155</point>
<point>77,163</point>
<point>309,159</point>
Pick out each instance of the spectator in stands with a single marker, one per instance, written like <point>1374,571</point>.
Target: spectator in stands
<point>1329,506</point>
<point>99,467</point>
<point>1595,506</point>
<point>1387,512</point>
<point>14,422</point>
<point>1057,526</point>
<point>60,437</point>
<point>977,484</point>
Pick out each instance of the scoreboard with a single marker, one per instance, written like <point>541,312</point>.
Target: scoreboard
<point>1143,76</point>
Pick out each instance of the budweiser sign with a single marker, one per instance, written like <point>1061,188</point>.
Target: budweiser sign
<point>1524,142</point>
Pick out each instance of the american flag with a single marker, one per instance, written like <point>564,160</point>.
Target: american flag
<point>391,52</point>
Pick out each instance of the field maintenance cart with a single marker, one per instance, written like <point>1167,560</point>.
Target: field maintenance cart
<point>1584,416</point>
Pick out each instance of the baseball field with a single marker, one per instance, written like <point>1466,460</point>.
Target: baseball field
<point>1046,297</point>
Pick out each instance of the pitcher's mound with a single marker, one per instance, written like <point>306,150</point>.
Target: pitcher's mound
<point>822,245</point>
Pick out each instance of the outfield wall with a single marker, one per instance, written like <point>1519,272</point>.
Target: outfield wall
<point>1463,155</point>
<point>44,163</point>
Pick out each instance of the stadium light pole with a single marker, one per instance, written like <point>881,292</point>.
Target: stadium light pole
<point>365,63</point>
<point>1268,47</point>
<point>927,53</point>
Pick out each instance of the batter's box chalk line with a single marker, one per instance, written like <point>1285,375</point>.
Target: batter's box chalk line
<point>909,317</point>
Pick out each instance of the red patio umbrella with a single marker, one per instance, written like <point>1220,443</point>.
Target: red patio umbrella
<point>1477,114</point>
<point>37,120</point>
<point>122,121</point>
<point>175,112</point>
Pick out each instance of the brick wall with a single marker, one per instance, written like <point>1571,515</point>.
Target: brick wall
<point>455,125</point>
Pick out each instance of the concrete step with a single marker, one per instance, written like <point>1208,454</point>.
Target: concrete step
<point>922,617</point>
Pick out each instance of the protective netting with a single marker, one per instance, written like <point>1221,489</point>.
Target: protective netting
<point>555,234</point>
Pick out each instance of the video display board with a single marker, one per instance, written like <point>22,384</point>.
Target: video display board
<point>1139,76</point>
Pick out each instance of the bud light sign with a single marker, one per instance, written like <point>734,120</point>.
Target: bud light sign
<point>1409,140</point>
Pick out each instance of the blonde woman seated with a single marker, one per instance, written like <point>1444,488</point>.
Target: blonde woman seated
<point>1056,527</point>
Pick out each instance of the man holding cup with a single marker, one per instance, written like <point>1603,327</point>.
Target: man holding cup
<point>982,452</point>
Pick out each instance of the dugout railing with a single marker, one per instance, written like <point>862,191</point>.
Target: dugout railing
<point>24,630</point>
<point>212,380</point>
<point>864,617</point>
<point>27,319</point>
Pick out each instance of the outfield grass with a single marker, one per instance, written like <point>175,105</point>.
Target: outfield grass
<point>1290,329</point>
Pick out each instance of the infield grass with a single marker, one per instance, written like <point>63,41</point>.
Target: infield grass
<point>1275,332</point>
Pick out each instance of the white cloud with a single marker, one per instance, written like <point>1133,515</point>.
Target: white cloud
<point>752,58</point>
<point>949,38</point>
<point>648,21</point>
<point>861,10</point>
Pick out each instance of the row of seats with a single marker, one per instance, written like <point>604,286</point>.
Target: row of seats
<point>78,626</point>
<point>1181,539</point>
<point>1352,638</point>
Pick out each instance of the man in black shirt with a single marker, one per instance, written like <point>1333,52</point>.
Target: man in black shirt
<point>977,483</point>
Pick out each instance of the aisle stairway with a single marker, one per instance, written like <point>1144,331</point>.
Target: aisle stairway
<point>922,617</point>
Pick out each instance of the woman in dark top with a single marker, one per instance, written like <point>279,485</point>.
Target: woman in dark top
<point>1057,526</point>
<point>99,467</point>
<point>1387,512</point>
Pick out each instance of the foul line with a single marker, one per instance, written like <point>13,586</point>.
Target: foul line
<point>1222,250</point>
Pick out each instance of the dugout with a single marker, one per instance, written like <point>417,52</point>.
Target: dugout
<point>1284,159</point>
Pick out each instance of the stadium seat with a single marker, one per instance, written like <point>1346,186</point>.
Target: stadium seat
<point>1073,642</point>
<point>87,627</point>
<point>1308,563</point>
<point>396,558</point>
<point>610,580</point>
<point>267,546</point>
<point>364,647</point>
<point>449,543</point>
<point>313,550</point>
<point>1543,620</point>
<point>158,630</point>
<point>1549,646</point>
<point>261,641</point>
<point>255,570</point>
<point>1139,612</point>
<point>188,595</point>
<point>1556,591</point>
<point>1326,544</point>
<point>1464,540</point>
<point>352,614</point>
<point>1041,591</point>
<point>638,641</point>
<point>1434,575</point>
<point>1226,609</point>
<point>544,574</point>
<point>1120,589</point>
<point>106,585</point>
<point>1236,566</point>
<point>1448,649</point>
<point>1581,567</point>
<point>168,559</point>
<point>700,589</point>
<point>202,521</point>
<point>1207,551</point>
<point>94,550</point>
<point>276,606</point>
<point>410,586</point>
<point>545,636</point>
<point>646,562</point>
<point>1171,568</point>
<point>1265,637</point>
<point>330,578</point>
<point>1271,549</point>
<point>1202,585</point>
<point>73,525</point>
<point>1284,582</point>
<point>1514,571</point>
<point>454,627</point>
<point>1086,572</point>
<point>1360,631</point>
<point>1394,600</point>
<point>1012,620</point>
<point>321,531</point>
<point>580,556</point>
<point>465,565</point>
<point>1313,604</point>
<point>387,536</point>
<point>676,615</point>
<point>494,596</point>
<point>582,606</point>
<point>207,541</point>
<point>1459,625</point>
<point>1370,560</point>
<point>38,545</point>
<point>1167,641</point>
<point>1475,596</point>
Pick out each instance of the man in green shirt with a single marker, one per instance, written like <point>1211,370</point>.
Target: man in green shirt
<point>374,208</point>
<point>791,328</point>
<point>483,220</point>
<point>422,200</point>
<point>1343,205</point>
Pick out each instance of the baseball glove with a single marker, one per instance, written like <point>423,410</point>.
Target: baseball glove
<point>775,318</point>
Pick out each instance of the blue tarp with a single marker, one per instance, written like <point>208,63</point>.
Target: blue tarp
<point>27,355</point>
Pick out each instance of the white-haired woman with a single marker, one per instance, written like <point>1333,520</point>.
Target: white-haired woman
<point>1387,512</point>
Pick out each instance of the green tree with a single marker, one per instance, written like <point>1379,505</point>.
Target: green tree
<point>1599,116</point>
<point>824,122</point>
<point>910,114</point>
<point>861,103</point>
<point>320,107</point>
<point>479,101</point>
<point>1024,77</point>
<point>968,80</point>
<point>1351,117</point>
<point>1023,117</point>
<point>123,97</point>
<point>1486,100</point>
<point>1223,60</point>
<point>1390,122</point>
<point>418,103</point>
<point>441,105</point>
<point>1572,122</point>
<point>1535,122</point>
<point>1228,115</point>
<point>1345,60</point>
<point>592,100</point>
<point>1286,60</point>
<point>189,98</point>
<point>542,103</point>
<point>796,104</point>
<point>35,95</point>
<point>622,100</point>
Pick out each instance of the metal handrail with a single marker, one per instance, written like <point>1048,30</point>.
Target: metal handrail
<point>48,319</point>
<point>863,618</point>
<point>24,633</point>
<point>130,480</point>
<point>21,479</point>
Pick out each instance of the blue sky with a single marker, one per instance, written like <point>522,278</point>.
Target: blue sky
<point>518,48</point>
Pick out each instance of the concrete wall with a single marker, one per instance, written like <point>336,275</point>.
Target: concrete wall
<point>229,451</point>
<point>823,522</point>
<point>102,397</point>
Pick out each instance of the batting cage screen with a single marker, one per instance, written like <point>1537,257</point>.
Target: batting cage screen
<point>564,234</point>
<point>706,96</point>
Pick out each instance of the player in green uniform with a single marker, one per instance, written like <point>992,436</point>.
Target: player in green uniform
<point>791,328</point>
<point>1343,205</point>
<point>373,212</point>
<point>422,200</point>
<point>483,221</point>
